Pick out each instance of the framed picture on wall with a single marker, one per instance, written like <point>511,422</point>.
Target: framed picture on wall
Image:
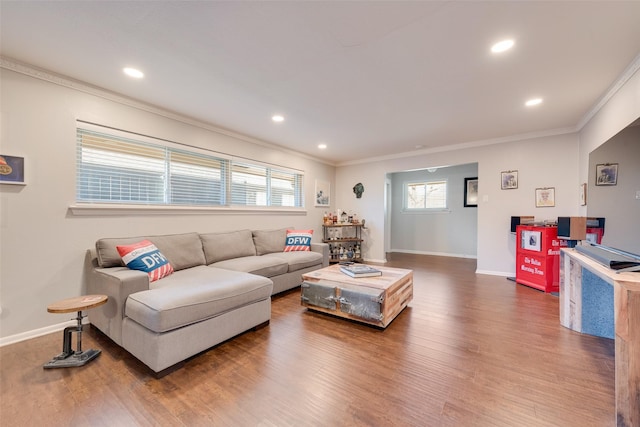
<point>509,180</point>
<point>545,197</point>
<point>471,192</point>
<point>607,174</point>
<point>323,193</point>
<point>11,170</point>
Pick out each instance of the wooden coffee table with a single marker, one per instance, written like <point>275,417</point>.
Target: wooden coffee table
<point>372,300</point>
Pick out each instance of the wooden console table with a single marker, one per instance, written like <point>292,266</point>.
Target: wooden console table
<point>586,306</point>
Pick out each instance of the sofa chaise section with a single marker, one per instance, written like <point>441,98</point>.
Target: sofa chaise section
<point>160,325</point>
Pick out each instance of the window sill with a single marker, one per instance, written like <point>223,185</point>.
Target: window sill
<point>95,209</point>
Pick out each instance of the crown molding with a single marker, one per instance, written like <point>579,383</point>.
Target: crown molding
<point>466,145</point>
<point>68,82</point>
<point>32,71</point>
<point>631,69</point>
<point>610,92</point>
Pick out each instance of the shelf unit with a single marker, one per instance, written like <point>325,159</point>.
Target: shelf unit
<point>345,241</point>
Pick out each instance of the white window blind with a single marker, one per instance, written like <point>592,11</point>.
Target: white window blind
<point>248,184</point>
<point>196,179</point>
<point>113,168</point>
<point>286,188</point>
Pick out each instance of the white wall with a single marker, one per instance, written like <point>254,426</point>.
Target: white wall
<point>43,244</point>
<point>616,114</point>
<point>618,204</point>
<point>452,232</point>
<point>550,161</point>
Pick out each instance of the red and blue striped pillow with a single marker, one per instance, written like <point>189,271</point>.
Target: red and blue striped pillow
<point>145,256</point>
<point>298,240</point>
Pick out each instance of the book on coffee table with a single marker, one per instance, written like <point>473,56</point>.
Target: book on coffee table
<point>360,270</point>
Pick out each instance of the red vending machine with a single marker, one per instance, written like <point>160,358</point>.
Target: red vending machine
<point>538,257</point>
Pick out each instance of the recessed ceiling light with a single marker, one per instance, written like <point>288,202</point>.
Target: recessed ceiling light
<point>132,72</point>
<point>322,146</point>
<point>532,102</point>
<point>277,118</point>
<point>502,46</point>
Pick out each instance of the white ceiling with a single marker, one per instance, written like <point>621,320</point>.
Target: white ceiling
<point>367,78</point>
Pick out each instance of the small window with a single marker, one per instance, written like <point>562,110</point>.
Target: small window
<point>426,195</point>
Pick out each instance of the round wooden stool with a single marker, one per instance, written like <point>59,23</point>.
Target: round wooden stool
<point>69,358</point>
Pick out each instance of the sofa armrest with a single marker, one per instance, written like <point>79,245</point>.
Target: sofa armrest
<point>322,248</point>
<point>117,283</point>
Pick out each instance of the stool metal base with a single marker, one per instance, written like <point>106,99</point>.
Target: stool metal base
<point>69,358</point>
<point>72,360</point>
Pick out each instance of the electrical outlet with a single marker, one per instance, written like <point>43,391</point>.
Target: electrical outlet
<point>638,194</point>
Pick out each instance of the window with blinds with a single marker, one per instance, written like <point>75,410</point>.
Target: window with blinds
<point>426,195</point>
<point>196,179</point>
<point>255,185</point>
<point>117,169</point>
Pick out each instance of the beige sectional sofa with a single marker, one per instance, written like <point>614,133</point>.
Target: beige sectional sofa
<point>221,286</point>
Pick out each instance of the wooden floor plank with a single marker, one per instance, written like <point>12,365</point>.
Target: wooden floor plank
<point>469,350</point>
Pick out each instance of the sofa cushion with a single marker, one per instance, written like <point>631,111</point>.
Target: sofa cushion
<point>221,246</point>
<point>145,256</point>
<point>261,265</point>
<point>182,250</point>
<point>298,240</point>
<point>107,252</point>
<point>297,260</point>
<point>269,241</point>
<point>193,295</point>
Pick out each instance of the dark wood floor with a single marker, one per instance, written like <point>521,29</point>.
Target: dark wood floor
<point>470,350</point>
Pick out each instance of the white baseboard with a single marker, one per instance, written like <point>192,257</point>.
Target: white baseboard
<point>495,273</point>
<point>410,251</point>
<point>12,339</point>
<point>379,261</point>
<point>487,272</point>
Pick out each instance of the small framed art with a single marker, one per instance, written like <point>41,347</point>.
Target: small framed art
<point>471,192</point>
<point>323,193</point>
<point>11,170</point>
<point>583,194</point>
<point>509,180</point>
<point>545,197</point>
<point>607,174</point>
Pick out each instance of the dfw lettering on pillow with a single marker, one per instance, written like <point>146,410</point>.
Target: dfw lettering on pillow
<point>298,240</point>
<point>145,256</point>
